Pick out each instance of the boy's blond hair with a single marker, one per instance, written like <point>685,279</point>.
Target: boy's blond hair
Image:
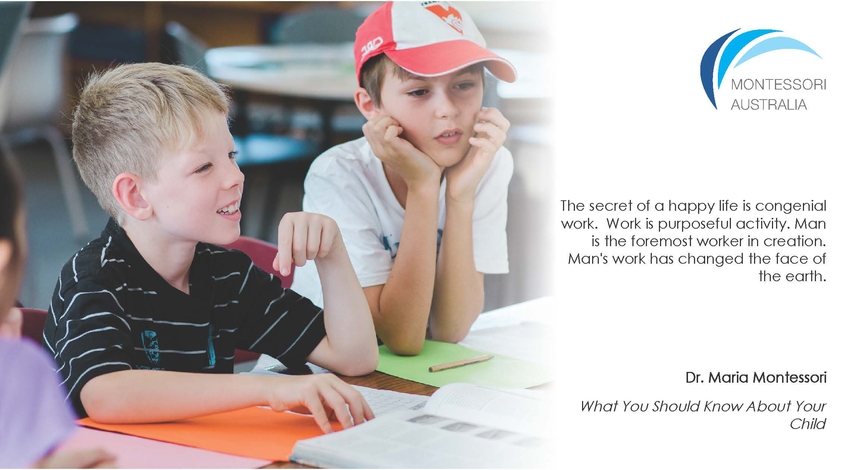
<point>129,117</point>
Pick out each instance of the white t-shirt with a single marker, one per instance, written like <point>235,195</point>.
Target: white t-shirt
<point>348,184</point>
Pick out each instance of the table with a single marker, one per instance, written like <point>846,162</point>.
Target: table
<point>318,76</point>
<point>383,381</point>
<point>316,71</point>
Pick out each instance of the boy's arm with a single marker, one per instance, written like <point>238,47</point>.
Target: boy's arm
<point>401,306</point>
<point>459,288</point>
<point>349,346</point>
<point>147,396</point>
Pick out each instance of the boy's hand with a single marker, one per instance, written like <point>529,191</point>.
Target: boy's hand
<point>325,396</point>
<point>303,236</point>
<point>383,134</point>
<point>490,131</point>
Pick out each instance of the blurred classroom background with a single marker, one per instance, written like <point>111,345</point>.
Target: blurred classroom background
<point>279,126</point>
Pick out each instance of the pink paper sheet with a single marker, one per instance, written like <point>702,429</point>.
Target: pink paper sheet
<point>137,452</point>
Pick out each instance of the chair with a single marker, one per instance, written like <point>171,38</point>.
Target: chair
<point>284,155</point>
<point>262,254</point>
<point>318,25</point>
<point>12,16</point>
<point>33,327</point>
<point>31,100</point>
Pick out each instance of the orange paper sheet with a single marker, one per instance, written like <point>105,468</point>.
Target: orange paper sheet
<point>251,432</point>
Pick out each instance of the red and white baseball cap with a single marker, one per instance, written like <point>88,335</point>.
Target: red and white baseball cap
<point>427,39</point>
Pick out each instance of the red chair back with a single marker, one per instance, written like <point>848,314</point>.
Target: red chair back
<point>33,326</point>
<point>262,253</point>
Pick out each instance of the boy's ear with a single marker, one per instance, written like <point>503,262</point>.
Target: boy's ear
<point>366,104</point>
<point>127,189</point>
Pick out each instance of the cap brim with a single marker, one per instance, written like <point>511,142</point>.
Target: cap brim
<point>442,58</point>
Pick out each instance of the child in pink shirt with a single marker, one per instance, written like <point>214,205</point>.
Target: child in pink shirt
<point>34,418</point>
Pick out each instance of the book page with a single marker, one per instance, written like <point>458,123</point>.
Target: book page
<point>515,410</point>
<point>419,439</point>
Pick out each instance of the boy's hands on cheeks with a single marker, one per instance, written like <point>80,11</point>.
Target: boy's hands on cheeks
<point>384,136</point>
<point>305,236</point>
<point>490,132</point>
<point>325,396</point>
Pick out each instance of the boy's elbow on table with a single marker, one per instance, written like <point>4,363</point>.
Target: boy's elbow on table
<point>449,335</point>
<point>358,368</point>
<point>101,404</point>
<point>405,346</point>
<point>353,365</point>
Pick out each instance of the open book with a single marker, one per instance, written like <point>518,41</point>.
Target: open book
<point>461,426</point>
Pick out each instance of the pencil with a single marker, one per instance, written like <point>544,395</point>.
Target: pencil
<point>460,363</point>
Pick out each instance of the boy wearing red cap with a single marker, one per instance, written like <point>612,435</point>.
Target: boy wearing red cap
<point>421,200</point>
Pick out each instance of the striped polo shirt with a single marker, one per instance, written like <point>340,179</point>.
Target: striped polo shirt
<point>111,311</point>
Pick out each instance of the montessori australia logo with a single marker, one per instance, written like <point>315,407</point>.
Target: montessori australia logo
<point>774,92</point>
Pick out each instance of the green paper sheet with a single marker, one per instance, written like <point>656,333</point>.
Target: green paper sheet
<point>501,371</point>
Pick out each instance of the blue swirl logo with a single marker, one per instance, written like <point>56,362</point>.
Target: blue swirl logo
<point>150,343</point>
<point>735,46</point>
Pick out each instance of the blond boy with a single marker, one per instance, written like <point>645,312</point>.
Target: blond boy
<point>421,200</point>
<point>145,319</point>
